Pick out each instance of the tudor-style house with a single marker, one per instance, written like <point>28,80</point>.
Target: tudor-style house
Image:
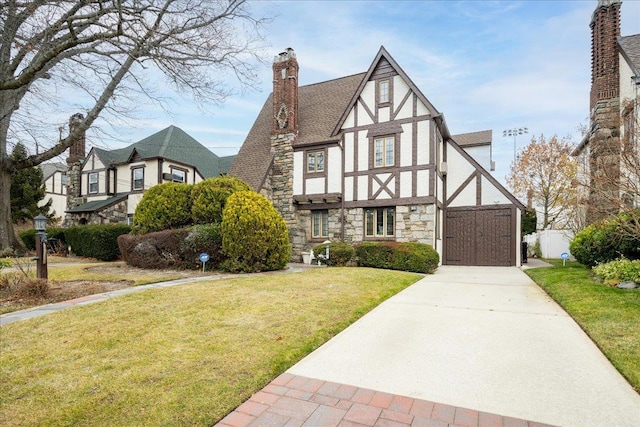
<point>105,186</point>
<point>608,155</point>
<point>367,157</point>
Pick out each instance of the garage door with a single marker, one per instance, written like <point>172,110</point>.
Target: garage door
<point>480,237</point>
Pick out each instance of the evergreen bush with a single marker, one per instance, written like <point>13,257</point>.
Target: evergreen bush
<point>96,241</point>
<point>339,253</point>
<point>210,197</point>
<point>163,206</point>
<point>604,241</point>
<point>617,271</point>
<point>254,235</point>
<point>407,256</point>
<point>28,237</point>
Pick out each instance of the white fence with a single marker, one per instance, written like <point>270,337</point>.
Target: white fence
<point>552,242</point>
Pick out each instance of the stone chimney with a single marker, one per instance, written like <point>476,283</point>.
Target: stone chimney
<point>605,69</point>
<point>77,151</point>
<point>285,93</point>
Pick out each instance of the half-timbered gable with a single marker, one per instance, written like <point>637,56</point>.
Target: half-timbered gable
<point>368,158</point>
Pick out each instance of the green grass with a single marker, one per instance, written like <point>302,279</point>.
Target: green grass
<point>610,316</point>
<point>185,355</point>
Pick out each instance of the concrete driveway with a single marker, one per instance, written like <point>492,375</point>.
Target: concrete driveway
<point>484,338</point>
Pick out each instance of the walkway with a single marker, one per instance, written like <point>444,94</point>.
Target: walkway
<point>455,348</point>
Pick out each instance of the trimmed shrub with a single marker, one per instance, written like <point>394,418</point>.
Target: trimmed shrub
<point>202,238</point>
<point>339,253</point>
<point>376,255</point>
<point>210,197</point>
<point>416,257</point>
<point>163,206</point>
<point>407,256</point>
<point>158,250</point>
<point>174,249</point>
<point>617,271</point>
<point>603,241</point>
<point>254,235</point>
<point>28,237</point>
<point>96,241</point>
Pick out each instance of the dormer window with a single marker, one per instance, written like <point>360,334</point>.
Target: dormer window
<point>93,182</point>
<point>315,161</point>
<point>383,91</point>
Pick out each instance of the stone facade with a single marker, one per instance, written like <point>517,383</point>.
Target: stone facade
<point>114,214</point>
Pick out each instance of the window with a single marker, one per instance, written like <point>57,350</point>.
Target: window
<point>178,175</point>
<point>64,179</point>
<point>320,224</point>
<point>138,179</point>
<point>384,151</point>
<point>315,161</point>
<point>93,182</point>
<point>380,222</point>
<point>383,91</point>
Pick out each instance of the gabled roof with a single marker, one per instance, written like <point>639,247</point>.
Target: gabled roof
<point>630,49</point>
<point>97,205</point>
<point>320,105</point>
<point>49,169</point>
<point>170,143</point>
<point>383,57</point>
<point>474,139</point>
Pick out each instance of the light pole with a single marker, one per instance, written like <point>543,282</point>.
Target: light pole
<point>514,132</point>
<point>40,224</point>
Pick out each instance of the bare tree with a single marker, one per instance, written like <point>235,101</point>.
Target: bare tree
<point>544,171</point>
<point>98,55</point>
<point>610,172</point>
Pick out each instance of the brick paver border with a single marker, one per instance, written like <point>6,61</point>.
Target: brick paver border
<point>292,400</point>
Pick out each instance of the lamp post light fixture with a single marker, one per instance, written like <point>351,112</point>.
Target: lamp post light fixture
<point>514,133</point>
<point>40,224</point>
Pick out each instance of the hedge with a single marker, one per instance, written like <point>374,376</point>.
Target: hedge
<point>407,256</point>
<point>96,241</point>
<point>28,237</point>
<point>163,206</point>
<point>340,254</point>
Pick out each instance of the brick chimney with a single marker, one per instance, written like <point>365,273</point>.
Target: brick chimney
<point>77,151</point>
<point>285,93</point>
<point>605,70</point>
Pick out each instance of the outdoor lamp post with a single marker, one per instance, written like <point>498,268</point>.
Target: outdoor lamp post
<point>514,133</point>
<point>40,224</point>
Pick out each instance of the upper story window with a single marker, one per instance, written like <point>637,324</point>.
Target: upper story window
<point>383,91</point>
<point>384,151</point>
<point>315,161</point>
<point>93,182</point>
<point>64,179</point>
<point>380,222</point>
<point>320,224</point>
<point>138,179</point>
<point>178,175</point>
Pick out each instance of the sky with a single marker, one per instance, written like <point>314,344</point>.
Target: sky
<point>484,64</point>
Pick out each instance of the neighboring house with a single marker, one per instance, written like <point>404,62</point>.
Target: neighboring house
<point>603,154</point>
<point>368,158</point>
<point>54,178</point>
<point>107,185</point>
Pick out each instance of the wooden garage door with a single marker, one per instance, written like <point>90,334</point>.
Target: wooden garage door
<point>479,237</point>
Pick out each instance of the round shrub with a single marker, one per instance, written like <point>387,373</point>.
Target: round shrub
<point>605,241</point>
<point>210,197</point>
<point>339,253</point>
<point>254,235</point>
<point>163,206</point>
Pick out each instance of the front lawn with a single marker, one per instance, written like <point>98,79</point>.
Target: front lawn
<point>185,355</point>
<point>610,316</point>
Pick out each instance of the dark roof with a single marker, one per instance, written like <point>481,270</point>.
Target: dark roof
<point>474,139</point>
<point>49,169</point>
<point>630,49</point>
<point>97,205</point>
<point>320,106</point>
<point>174,144</point>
